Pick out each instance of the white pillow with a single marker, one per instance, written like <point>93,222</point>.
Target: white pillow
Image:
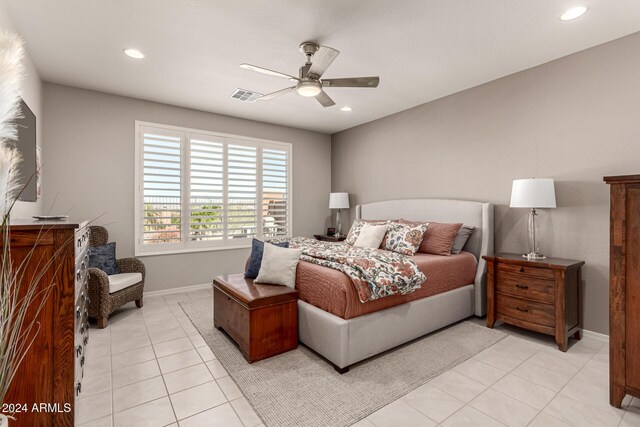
<point>278,265</point>
<point>371,236</point>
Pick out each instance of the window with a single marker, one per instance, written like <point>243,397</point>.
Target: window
<point>198,190</point>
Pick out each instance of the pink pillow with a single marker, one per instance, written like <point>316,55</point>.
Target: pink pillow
<point>438,238</point>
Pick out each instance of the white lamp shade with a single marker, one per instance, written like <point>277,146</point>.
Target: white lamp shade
<point>339,201</point>
<point>533,193</point>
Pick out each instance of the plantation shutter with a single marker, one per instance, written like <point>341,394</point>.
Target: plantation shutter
<point>275,192</point>
<point>206,189</point>
<point>162,187</point>
<point>199,189</point>
<point>242,195</point>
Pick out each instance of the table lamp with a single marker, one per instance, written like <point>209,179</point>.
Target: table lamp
<point>338,201</point>
<point>534,193</point>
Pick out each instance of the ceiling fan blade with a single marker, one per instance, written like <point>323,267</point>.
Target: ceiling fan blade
<point>322,59</point>
<point>276,93</point>
<point>324,99</point>
<point>267,71</point>
<point>352,82</point>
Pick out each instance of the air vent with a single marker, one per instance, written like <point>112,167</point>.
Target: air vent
<point>245,95</point>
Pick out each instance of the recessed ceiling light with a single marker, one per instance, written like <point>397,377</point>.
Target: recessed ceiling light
<point>346,108</point>
<point>573,13</point>
<point>134,53</point>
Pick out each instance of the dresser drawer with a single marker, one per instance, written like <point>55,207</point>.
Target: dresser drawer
<point>520,286</point>
<point>542,273</point>
<point>81,240</point>
<point>526,310</point>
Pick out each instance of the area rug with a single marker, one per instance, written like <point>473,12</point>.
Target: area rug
<point>300,388</point>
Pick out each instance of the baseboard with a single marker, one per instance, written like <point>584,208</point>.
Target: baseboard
<point>596,335</point>
<point>179,290</point>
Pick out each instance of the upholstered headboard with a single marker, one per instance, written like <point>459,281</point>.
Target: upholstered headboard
<point>476,214</point>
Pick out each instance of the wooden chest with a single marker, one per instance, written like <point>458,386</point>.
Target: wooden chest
<point>539,295</point>
<point>261,319</point>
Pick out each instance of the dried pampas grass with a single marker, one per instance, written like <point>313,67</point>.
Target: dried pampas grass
<point>11,75</point>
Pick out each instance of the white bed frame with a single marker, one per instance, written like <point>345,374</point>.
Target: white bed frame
<point>345,342</point>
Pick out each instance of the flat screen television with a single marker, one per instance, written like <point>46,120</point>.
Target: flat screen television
<point>26,145</point>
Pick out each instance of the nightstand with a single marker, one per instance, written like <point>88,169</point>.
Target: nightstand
<point>539,295</point>
<point>325,238</point>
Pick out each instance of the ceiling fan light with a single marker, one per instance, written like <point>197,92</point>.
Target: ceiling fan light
<point>308,89</point>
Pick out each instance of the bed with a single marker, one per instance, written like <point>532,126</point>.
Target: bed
<point>345,332</point>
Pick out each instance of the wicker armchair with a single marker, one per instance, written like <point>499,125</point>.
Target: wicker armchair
<point>101,302</point>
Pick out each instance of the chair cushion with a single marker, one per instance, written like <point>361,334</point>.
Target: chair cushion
<point>104,258</point>
<point>118,282</point>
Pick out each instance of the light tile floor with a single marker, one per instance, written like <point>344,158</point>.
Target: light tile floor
<point>151,367</point>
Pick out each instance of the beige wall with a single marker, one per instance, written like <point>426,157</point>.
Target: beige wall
<point>32,95</point>
<point>575,119</point>
<point>90,172</point>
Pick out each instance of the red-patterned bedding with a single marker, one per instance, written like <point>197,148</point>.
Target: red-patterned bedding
<point>334,292</point>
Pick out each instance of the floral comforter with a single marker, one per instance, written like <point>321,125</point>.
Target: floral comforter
<point>375,273</point>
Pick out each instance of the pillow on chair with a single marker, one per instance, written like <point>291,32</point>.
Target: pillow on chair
<point>104,258</point>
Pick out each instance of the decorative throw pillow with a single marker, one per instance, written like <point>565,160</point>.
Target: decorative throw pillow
<point>104,258</point>
<point>255,260</point>
<point>461,239</point>
<point>371,236</point>
<point>439,237</point>
<point>279,266</point>
<point>404,239</point>
<point>357,225</point>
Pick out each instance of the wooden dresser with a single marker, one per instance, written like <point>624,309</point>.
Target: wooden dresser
<point>624,288</point>
<point>261,319</point>
<point>50,377</point>
<point>540,295</point>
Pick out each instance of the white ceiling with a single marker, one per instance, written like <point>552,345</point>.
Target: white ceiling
<point>421,49</point>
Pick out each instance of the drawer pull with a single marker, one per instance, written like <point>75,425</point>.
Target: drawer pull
<point>228,298</point>
<point>79,276</point>
<point>519,286</point>
<point>521,270</point>
<point>77,312</point>
<point>86,340</point>
<point>524,310</point>
<point>78,389</point>
<point>82,361</point>
<point>78,351</point>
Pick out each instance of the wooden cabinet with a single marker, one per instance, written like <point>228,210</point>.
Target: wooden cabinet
<point>50,376</point>
<point>624,288</point>
<point>261,319</point>
<point>540,295</point>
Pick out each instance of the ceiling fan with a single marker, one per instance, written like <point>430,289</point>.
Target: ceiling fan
<point>309,83</point>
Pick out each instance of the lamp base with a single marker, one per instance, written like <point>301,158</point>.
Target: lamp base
<point>533,255</point>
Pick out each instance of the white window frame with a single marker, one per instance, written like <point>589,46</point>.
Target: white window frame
<point>185,245</point>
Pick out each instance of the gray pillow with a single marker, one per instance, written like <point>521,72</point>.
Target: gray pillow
<point>461,239</point>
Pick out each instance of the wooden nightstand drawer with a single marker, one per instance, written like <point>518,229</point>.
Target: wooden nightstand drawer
<point>543,273</point>
<point>529,311</point>
<point>533,288</point>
